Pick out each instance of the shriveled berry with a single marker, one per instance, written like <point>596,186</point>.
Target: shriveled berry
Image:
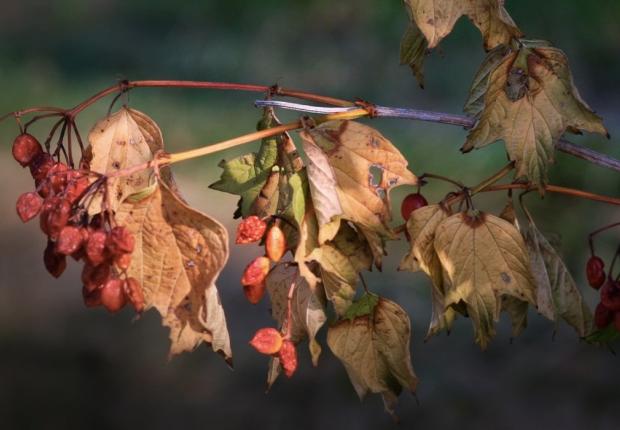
<point>92,298</point>
<point>113,296</point>
<point>255,292</point>
<point>95,277</point>
<point>26,148</point>
<point>275,243</point>
<point>134,293</point>
<point>123,261</point>
<point>96,247</point>
<point>595,272</point>
<point>120,241</point>
<point>29,206</point>
<point>256,272</point>
<point>57,219</point>
<point>70,239</point>
<point>602,316</point>
<point>57,177</point>
<point>54,262</point>
<point>77,184</point>
<point>250,230</point>
<point>410,203</point>
<point>610,295</point>
<point>288,358</point>
<point>267,341</point>
<point>40,166</point>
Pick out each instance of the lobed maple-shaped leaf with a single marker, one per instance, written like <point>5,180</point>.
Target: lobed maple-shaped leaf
<point>436,19</point>
<point>351,170</point>
<point>483,258</point>
<point>421,227</point>
<point>373,345</point>
<point>530,101</point>
<point>124,139</point>
<point>307,309</point>
<point>557,294</point>
<point>179,253</point>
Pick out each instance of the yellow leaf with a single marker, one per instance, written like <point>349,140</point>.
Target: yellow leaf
<point>436,19</point>
<point>529,103</point>
<point>374,349</point>
<point>178,256</point>
<point>124,139</point>
<point>351,170</point>
<point>483,258</point>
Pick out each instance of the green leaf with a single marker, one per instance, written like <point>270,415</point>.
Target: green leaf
<point>605,335</point>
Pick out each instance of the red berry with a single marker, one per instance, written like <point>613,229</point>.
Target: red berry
<point>255,292</point>
<point>256,272</point>
<point>57,177</point>
<point>288,358</point>
<point>410,203</point>
<point>40,166</point>
<point>602,316</point>
<point>275,243</point>
<point>595,273</point>
<point>267,341</point>
<point>133,291</point>
<point>120,241</point>
<point>77,184</point>
<point>123,261</point>
<point>26,148</point>
<point>610,295</point>
<point>54,262</point>
<point>250,230</point>
<point>56,219</point>
<point>29,206</point>
<point>70,239</point>
<point>95,277</point>
<point>95,247</point>
<point>113,295</point>
<point>92,299</point>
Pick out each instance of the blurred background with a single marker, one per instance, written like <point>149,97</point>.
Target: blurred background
<point>63,366</point>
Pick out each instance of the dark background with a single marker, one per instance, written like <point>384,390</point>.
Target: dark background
<point>63,366</point>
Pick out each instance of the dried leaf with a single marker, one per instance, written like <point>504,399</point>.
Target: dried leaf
<point>557,292</point>
<point>484,258</point>
<point>421,226</point>
<point>178,256</point>
<point>374,348</point>
<point>413,51</point>
<point>475,102</point>
<point>351,172</point>
<point>436,19</point>
<point>124,139</point>
<point>529,103</point>
<point>341,260</point>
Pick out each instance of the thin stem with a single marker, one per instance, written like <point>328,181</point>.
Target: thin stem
<point>557,189</point>
<point>494,179</point>
<point>441,178</point>
<point>600,230</point>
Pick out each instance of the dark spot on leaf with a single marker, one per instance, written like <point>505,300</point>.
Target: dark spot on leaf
<point>506,277</point>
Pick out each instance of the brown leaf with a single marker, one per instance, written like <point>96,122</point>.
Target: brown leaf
<point>351,170</point>
<point>483,258</point>
<point>529,103</point>
<point>436,19</point>
<point>421,226</point>
<point>124,139</point>
<point>178,256</point>
<point>374,348</point>
<point>413,51</point>
<point>557,294</point>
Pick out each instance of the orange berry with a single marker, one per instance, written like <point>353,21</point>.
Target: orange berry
<point>267,341</point>
<point>275,244</point>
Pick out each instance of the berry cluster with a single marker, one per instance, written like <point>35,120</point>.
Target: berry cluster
<point>608,310</point>
<point>58,200</point>
<point>250,230</point>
